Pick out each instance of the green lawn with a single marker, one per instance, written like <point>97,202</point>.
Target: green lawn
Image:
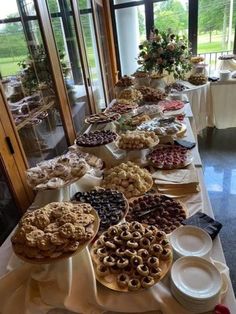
<point>8,65</point>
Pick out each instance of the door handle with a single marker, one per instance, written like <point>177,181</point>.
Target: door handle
<point>9,144</point>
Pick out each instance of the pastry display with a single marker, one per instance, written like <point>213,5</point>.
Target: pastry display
<point>141,74</point>
<point>132,122</point>
<point>176,87</point>
<point>130,257</point>
<point>197,59</point>
<point>130,94</point>
<point>54,231</point>
<point>197,79</point>
<point>150,110</point>
<point>96,138</point>
<point>92,161</point>
<point>103,117</point>
<point>128,178</point>
<point>171,105</point>
<point>122,106</point>
<point>162,127</point>
<point>111,205</point>
<point>170,157</point>
<point>159,210</point>
<point>57,172</point>
<point>132,140</point>
<point>151,95</point>
<point>125,81</point>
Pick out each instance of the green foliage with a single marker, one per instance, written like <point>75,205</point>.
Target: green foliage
<point>165,51</point>
<point>171,14</point>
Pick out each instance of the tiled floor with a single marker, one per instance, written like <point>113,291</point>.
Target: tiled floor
<point>218,152</point>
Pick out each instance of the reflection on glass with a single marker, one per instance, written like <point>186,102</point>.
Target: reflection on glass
<point>214,179</point>
<point>9,214</point>
<point>28,86</point>
<point>172,15</point>
<point>84,4</point>
<point>233,182</point>
<point>123,1</point>
<point>130,23</point>
<point>93,60</point>
<point>65,36</point>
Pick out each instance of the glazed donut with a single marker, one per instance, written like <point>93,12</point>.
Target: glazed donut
<point>144,243</point>
<point>120,252</point>
<point>143,253</point>
<point>110,245</point>
<point>122,280</point>
<point>109,261</point>
<point>102,252</point>
<point>147,282</point>
<point>155,272</point>
<point>126,235</point>
<point>117,240</point>
<point>166,253</point>
<point>122,262</point>
<point>134,284</point>
<point>156,249</point>
<point>102,270</point>
<point>136,260</point>
<point>130,252</point>
<point>143,270</point>
<point>136,235</point>
<point>132,244</point>
<point>153,261</point>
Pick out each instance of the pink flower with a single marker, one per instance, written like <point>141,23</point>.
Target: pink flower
<point>171,46</point>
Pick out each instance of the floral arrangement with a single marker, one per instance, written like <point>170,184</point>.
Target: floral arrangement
<point>165,52</point>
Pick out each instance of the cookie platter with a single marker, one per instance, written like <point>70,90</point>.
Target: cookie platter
<point>111,205</point>
<point>168,157</point>
<point>102,118</point>
<point>61,171</point>
<point>157,210</point>
<point>130,257</point>
<point>55,232</point>
<point>96,138</point>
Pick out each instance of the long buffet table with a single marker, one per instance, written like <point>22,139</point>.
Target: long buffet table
<point>71,285</point>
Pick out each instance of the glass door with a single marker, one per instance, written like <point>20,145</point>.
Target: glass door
<point>28,82</point>
<point>9,211</point>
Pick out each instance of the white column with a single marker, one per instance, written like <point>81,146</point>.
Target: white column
<point>128,37</point>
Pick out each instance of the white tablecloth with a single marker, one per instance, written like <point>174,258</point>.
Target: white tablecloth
<point>201,105</point>
<point>224,104</point>
<point>71,283</point>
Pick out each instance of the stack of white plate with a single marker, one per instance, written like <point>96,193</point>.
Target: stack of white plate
<point>190,241</point>
<point>196,283</point>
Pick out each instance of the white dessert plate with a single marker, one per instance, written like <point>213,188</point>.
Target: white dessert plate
<point>191,241</point>
<point>196,278</point>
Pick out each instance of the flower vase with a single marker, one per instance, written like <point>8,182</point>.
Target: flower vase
<point>158,83</point>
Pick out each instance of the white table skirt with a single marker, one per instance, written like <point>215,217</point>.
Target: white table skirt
<point>71,283</point>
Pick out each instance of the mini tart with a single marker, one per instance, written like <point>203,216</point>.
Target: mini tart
<point>122,280</point>
<point>160,235</point>
<point>101,252</point>
<point>136,235</point>
<point>109,261</point>
<point>126,235</point>
<point>143,270</point>
<point>147,282</point>
<point>156,249</point>
<point>137,226</point>
<point>120,251</point>
<point>153,229</point>
<point>122,262</point>
<point>134,284</point>
<point>144,243</point>
<point>155,272</point>
<point>132,244</point>
<point>136,260</point>
<point>166,254</point>
<point>153,261</point>
<point>113,231</point>
<point>165,243</point>
<point>130,252</point>
<point>110,245</point>
<point>143,253</point>
<point>102,270</point>
<point>117,240</point>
